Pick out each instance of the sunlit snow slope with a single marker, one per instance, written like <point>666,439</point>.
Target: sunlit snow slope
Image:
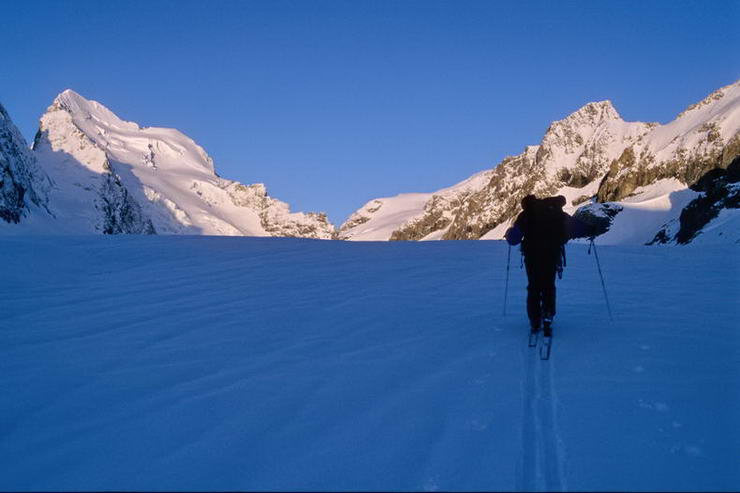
<point>113,176</point>
<point>180,363</point>
<point>379,219</point>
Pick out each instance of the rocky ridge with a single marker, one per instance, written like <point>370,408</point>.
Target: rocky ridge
<point>591,156</point>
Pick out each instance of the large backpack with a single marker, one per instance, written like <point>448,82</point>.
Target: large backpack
<point>545,228</point>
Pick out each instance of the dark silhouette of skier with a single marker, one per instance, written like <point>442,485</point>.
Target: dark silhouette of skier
<point>543,229</point>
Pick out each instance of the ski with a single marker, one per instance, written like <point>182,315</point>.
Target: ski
<point>545,347</point>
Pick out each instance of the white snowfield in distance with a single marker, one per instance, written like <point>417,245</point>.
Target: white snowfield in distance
<point>148,180</point>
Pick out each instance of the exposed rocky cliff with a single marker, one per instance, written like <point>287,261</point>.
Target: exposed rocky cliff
<point>719,189</point>
<point>22,184</point>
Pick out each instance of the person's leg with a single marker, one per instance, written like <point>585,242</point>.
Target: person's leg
<point>534,293</point>
<point>548,293</point>
<point>547,282</point>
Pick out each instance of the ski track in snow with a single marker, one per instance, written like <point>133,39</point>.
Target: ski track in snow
<point>543,462</point>
<point>528,467</point>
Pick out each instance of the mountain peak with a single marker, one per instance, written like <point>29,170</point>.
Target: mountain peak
<point>574,131</point>
<point>577,127</point>
<point>83,109</point>
<point>68,100</point>
<point>596,112</point>
<point>68,93</point>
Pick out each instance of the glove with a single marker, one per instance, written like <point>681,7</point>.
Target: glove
<point>513,236</point>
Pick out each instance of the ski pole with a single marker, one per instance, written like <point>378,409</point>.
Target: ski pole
<point>601,275</point>
<point>506,289</point>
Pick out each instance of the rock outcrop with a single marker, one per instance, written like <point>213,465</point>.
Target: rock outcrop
<point>22,184</point>
<point>720,189</point>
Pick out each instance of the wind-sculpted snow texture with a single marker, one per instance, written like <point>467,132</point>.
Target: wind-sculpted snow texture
<point>22,184</point>
<point>590,156</point>
<point>112,176</point>
<point>289,364</point>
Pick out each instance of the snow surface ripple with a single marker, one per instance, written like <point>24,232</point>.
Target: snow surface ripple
<point>202,363</point>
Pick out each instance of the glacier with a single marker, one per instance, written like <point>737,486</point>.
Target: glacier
<point>175,362</point>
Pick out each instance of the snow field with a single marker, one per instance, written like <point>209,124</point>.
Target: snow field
<point>219,363</point>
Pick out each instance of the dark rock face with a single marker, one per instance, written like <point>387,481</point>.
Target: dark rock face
<point>721,190</point>
<point>599,216</point>
<point>17,173</point>
<point>121,214</point>
<point>11,196</point>
<point>613,189</point>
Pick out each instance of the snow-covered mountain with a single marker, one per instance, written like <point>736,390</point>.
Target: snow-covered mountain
<point>113,176</point>
<point>91,172</point>
<point>638,175</point>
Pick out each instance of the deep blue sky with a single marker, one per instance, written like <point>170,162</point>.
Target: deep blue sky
<point>333,103</point>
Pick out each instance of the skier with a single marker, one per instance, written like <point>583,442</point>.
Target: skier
<point>543,229</point>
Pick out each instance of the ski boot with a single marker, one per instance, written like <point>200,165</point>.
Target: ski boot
<point>534,333</point>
